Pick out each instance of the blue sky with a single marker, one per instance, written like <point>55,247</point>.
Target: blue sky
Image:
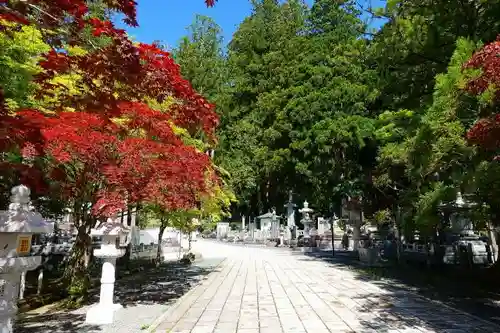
<point>166,21</point>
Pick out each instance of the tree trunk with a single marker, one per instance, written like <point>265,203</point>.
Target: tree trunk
<point>87,255</point>
<point>397,234</point>
<point>76,273</point>
<point>128,249</point>
<point>159,249</point>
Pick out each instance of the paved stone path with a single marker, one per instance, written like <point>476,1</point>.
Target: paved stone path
<point>267,291</point>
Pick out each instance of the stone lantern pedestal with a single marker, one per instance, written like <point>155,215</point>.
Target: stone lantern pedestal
<point>112,234</point>
<point>17,226</point>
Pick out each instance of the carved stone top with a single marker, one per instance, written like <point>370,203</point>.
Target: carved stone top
<point>306,208</point>
<point>305,212</point>
<point>460,203</point>
<point>21,216</point>
<point>112,227</point>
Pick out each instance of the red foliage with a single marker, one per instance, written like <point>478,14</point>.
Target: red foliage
<point>91,155</point>
<point>486,131</point>
<point>127,168</point>
<point>123,69</point>
<point>488,61</point>
<point>56,13</point>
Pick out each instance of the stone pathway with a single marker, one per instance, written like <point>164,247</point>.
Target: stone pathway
<point>267,291</point>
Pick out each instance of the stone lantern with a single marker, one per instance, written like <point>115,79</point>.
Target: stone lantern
<point>306,220</point>
<point>17,226</point>
<point>114,239</point>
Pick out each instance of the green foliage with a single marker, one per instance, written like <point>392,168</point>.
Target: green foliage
<point>297,99</point>
<point>418,41</point>
<point>424,157</point>
<point>427,204</point>
<point>201,58</point>
<point>383,216</point>
<point>19,54</point>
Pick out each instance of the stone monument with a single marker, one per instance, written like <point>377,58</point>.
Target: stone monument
<point>251,229</point>
<point>307,222</point>
<point>275,225</point>
<point>269,224</point>
<point>290,213</point>
<point>223,229</point>
<point>17,226</point>
<point>111,231</point>
<point>265,221</point>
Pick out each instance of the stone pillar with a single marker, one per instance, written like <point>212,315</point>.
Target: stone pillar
<point>8,293</point>
<point>103,312</point>
<point>22,285</point>
<point>107,281</point>
<point>290,213</point>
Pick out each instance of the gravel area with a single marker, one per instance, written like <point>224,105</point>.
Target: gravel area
<point>144,296</point>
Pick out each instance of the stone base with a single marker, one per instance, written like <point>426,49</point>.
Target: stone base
<point>100,314</point>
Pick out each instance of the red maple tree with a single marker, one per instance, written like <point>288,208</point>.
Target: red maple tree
<point>94,158</point>
<point>104,147</point>
<point>485,133</point>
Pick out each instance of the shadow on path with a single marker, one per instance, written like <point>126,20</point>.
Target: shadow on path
<point>158,286</point>
<point>149,291</point>
<point>406,290</point>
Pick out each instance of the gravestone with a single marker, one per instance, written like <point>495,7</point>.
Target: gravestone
<point>321,226</point>
<point>265,221</point>
<point>251,230</point>
<point>222,230</point>
<point>290,211</point>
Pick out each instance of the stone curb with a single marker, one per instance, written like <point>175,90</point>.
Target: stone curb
<point>179,301</point>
